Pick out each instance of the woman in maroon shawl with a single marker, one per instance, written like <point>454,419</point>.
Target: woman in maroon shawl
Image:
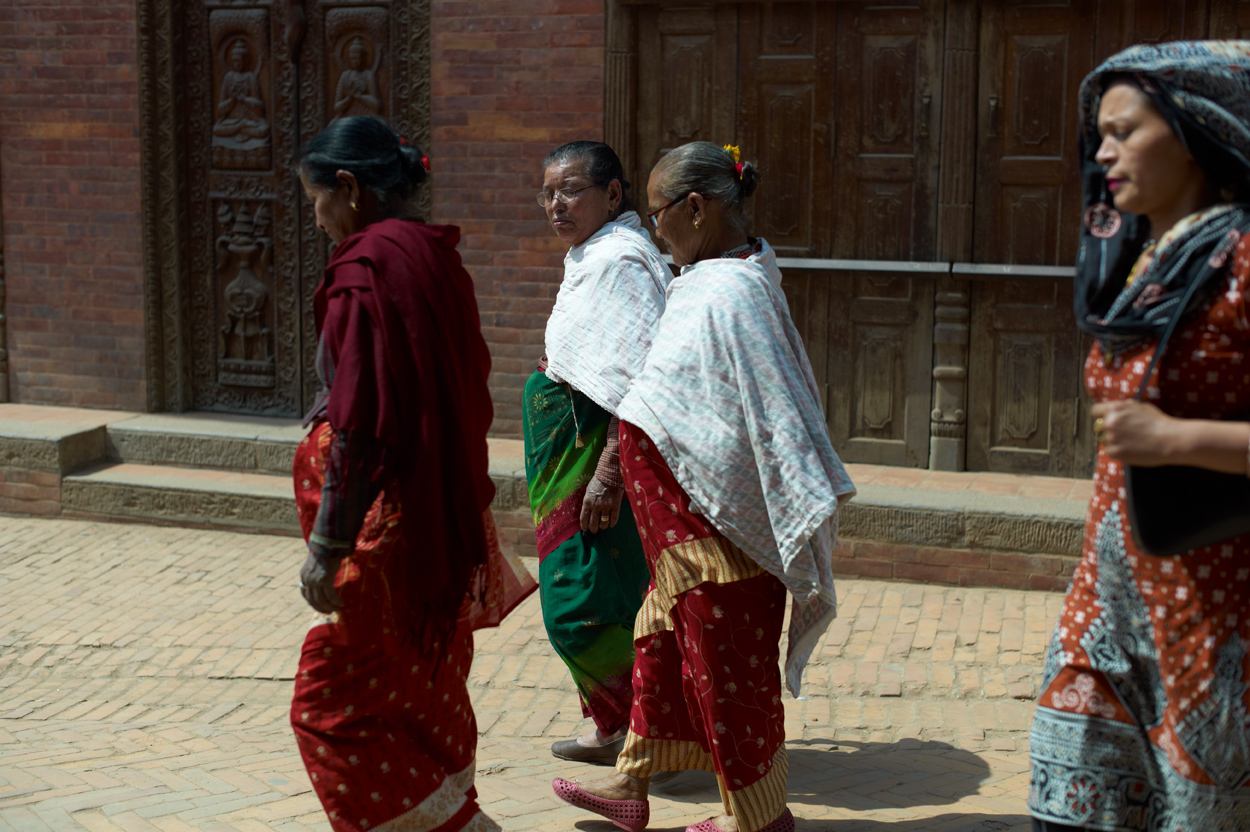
<point>393,496</point>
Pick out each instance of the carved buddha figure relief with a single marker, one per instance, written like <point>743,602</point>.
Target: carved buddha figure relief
<point>357,91</point>
<point>241,131</point>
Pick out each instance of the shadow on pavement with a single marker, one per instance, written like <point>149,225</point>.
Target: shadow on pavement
<point>862,777</point>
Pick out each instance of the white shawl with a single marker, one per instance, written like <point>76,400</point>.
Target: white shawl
<point>607,311</point>
<point>728,397</point>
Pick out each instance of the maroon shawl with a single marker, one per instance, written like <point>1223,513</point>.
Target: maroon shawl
<point>411,371</point>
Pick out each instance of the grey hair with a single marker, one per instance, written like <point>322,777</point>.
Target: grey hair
<point>708,170</point>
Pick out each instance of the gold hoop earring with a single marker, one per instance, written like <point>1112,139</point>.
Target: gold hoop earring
<point>696,225</point>
<point>355,207</point>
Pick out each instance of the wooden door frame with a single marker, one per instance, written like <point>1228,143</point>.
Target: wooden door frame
<point>163,125</point>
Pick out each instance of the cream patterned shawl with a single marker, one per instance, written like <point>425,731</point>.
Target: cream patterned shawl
<point>607,311</point>
<point>728,396</point>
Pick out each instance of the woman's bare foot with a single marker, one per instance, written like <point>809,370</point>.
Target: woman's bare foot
<point>617,786</point>
<point>596,738</point>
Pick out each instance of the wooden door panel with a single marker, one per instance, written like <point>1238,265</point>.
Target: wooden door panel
<point>1033,58</point>
<point>1024,371</point>
<point>785,107</point>
<point>878,360</point>
<point>889,73</point>
<point>688,79</point>
<point>1122,23</point>
<point>1230,19</point>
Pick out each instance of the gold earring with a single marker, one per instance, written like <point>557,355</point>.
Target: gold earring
<point>355,207</point>
<point>696,225</point>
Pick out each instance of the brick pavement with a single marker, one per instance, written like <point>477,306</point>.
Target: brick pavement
<point>145,676</point>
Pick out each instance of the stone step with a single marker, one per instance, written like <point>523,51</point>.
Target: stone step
<point>214,470</point>
<point>207,440</point>
<point>170,495</point>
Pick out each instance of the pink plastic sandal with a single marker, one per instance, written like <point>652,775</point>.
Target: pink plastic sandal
<point>785,823</point>
<point>632,815</point>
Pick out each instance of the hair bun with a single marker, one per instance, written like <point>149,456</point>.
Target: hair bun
<point>749,178</point>
<point>413,159</point>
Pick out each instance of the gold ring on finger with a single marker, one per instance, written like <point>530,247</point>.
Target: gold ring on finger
<point>1098,428</point>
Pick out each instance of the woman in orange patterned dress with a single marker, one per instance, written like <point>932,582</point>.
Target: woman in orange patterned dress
<point>1143,720</point>
<point>393,496</point>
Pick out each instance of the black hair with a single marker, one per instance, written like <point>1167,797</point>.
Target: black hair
<point>371,151</point>
<point>602,166</point>
<point>710,171</point>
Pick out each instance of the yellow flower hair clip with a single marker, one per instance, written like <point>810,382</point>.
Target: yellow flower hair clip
<point>734,151</point>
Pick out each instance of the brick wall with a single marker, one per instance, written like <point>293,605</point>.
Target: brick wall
<point>511,80</point>
<point>69,181</point>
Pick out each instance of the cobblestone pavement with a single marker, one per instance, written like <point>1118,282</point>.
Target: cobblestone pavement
<point>145,675</point>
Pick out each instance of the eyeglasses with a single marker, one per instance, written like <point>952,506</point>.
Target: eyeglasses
<point>655,220</point>
<point>565,195</point>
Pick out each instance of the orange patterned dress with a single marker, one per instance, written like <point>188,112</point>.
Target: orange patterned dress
<point>1144,718</point>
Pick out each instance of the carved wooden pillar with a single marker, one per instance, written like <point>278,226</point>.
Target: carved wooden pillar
<point>949,423</point>
<point>162,166</point>
<point>620,85</point>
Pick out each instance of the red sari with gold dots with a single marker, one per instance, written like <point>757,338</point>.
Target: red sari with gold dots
<point>387,735</point>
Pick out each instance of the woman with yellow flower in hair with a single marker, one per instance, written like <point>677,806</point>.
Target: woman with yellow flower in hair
<point>735,488</point>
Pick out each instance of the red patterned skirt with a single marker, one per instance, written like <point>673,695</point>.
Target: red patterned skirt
<point>707,678</point>
<point>388,738</point>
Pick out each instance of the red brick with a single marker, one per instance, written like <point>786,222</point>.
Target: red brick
<point>70,199</point>
<point>925,573</point>
<point>862,568</point>
<point>994,578</point>
<point>1029,564</point>
<point>512,79</point>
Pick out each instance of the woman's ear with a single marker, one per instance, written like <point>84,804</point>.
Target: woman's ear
<point>347,179</point>
<point>698,208</point>
<point>616,194</point>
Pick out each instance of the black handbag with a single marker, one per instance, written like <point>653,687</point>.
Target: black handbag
<point>1174,509</point>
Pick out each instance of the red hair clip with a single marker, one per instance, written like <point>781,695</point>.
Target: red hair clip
<point>425,162</point>
<point>738,167</point>
<point>401,141</point>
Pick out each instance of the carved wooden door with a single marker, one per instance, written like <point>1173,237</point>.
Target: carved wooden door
<point>687,81</point>
<point>785,121</point>
<point>883,207</point>
<point>1025,352</point>
<point>262,79</point>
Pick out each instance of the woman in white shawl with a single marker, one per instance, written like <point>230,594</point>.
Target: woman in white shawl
<point>735,486</point>
<point>592,572</point>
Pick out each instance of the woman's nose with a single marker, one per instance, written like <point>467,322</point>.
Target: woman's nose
<point>1106,154</point>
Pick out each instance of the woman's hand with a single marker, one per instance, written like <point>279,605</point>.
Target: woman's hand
<point>316,582</point>
<point>1138,433</point>
<point>602,506</point>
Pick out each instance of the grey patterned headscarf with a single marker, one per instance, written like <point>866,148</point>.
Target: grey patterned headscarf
<point>1203,89</point>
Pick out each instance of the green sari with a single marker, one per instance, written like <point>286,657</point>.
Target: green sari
<point>591,584</point>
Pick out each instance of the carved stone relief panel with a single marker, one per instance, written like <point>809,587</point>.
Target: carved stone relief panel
<point>241,63</point>
<point>356,43</point>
